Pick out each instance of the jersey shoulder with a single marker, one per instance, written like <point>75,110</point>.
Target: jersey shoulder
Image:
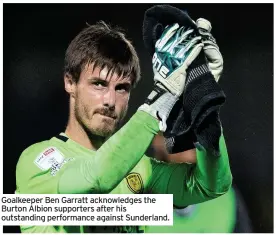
<point>39,161</point>
<point>31,152</point>
<point>40,151</point>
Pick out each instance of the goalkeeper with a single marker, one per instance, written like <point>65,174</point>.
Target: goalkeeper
<point>101,69</point>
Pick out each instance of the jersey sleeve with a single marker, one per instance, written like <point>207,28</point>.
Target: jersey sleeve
<point>39,169</point>
<point>114,159</point>
<point>98,174</point>
<point>190,184</point>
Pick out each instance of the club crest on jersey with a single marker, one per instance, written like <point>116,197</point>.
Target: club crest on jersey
<point>157,64</point>
<point>135,182</point>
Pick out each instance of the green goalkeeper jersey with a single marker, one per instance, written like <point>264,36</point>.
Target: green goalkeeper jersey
<point>119,166</point>
<point>214,216</point>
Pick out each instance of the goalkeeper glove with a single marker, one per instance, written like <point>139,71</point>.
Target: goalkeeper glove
<point>208,98</point>
<point>211,49</point>
<point>193,126</point>
<point>174,52</point>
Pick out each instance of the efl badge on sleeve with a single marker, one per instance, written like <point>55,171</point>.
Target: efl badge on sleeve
<point>135,182</point>
<point>49,157</point>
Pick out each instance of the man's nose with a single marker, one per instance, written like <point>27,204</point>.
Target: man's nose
<point>110,98</point>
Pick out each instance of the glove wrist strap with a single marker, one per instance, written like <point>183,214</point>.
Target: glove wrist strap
<point>159,104</point>
<point>197,72</point>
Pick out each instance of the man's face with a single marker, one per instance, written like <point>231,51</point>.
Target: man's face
<point>101,101</point>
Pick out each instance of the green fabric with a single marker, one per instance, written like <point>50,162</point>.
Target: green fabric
<point>193,183</point>
<point>116,154</point>
<point>120,167</point>
<point>214,216</point>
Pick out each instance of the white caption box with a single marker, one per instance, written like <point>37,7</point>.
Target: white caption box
<point>85,209</point>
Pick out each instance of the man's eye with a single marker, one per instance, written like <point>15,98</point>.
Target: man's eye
<point>123,88</point>
<point>99,84</point>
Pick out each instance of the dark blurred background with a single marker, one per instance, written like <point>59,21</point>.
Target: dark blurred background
<point>35,104</point>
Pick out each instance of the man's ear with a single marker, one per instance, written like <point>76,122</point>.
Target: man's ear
<point>69,84</point>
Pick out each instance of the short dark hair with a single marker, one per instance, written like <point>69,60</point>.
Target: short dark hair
<point>103,46</point>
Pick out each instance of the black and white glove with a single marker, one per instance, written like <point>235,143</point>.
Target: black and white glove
<point>211,48</point>
<point>195,116</point>
<point>175,50</point>
<point>196,119</point>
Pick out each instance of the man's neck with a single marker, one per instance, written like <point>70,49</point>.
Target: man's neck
<point>77,133</point>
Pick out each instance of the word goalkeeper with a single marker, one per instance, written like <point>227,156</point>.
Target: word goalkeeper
<point>92,156</point>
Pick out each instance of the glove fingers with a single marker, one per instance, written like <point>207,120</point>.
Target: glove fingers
<point>184,41</point>
<point>211,49</point>
<point>194,53</point>
<point>215,61</point>
<point>185,34</point>
<point>193,42</point>
<point>179,75</point>
<point>166,36</point>
<point>162,15</point>
<point>204,24</point>
<point>186,46</point>
<point>213,54</point>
